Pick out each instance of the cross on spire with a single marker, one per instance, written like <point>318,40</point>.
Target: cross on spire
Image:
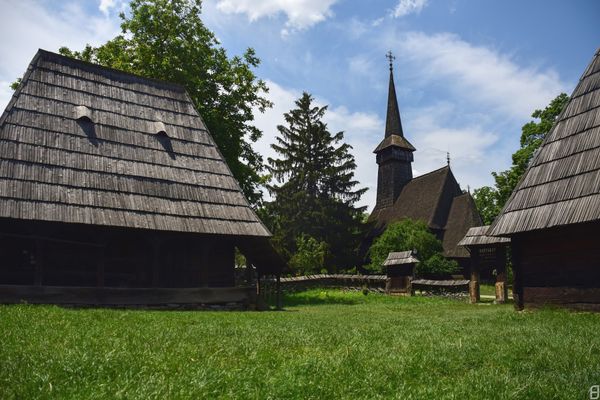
<point>391,58</point>
<point>448,157</point>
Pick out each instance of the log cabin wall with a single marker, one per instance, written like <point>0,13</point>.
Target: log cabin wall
<point>561,265</point>
<point>88,256</point>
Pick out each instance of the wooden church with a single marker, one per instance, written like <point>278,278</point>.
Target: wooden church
<point>112,191</point>
<point>553,215</point>
<point>435,198</point>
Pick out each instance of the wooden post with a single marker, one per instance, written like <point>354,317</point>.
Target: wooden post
<point>279,303</point>
<point>39,263</point>
<point>474,282</point>
<point>517,276</point>
<point>500,264</point>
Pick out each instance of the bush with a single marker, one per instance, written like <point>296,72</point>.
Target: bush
<point>436,265</point>
<point>310,256</point>
<point>411,235</point>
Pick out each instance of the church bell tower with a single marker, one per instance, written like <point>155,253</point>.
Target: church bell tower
<point>394,153</point>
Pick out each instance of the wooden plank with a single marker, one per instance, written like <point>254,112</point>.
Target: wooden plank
<point>123,296</point>
<point>561,295</point>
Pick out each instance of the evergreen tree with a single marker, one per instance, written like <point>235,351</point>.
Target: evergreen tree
<point>315,188</point>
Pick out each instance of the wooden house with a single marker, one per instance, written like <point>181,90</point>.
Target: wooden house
<point>400,269</point>
<point>488,254</point>
<point>112,191</point>
<point>434,198</point>
<point>553,215</point>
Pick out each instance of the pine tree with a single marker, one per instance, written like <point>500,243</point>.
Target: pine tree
<point>315,191</point>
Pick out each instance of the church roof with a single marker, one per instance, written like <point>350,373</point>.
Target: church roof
<point>394,140</point>
<point>562,183</point>
<point>462,217</point>
<point>394,136</point>
<point>436,199</point>
<point>80,143</point>
<point>423,198</point>
<point>393,124</point>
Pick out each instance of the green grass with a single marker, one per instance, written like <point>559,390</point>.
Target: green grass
<point>487,289</point>
<point>326,345</point>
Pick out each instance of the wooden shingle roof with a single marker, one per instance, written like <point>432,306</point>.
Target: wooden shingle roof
<point>139,155</point>
<point>462,217</point>
<point>436,199</point>
<point>562,183</point>
<point>400,257</point>
<point>478,236</point>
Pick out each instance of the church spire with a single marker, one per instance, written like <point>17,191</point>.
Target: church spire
<point>393,125</point>
<point>394,153</point>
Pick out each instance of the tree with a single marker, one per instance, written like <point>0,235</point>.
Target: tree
<point>490,201</point>
<point>166,39</point>
<point>314,186</point>
<point>411,235</point>
<point>310,255</point>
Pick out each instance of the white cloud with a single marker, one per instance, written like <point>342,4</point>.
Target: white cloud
<point>405,7</point>
<point>435,131</point>
<point>300,14</point>
<point>106,5</point>
<point>478,74</point>
<point>36,27</point>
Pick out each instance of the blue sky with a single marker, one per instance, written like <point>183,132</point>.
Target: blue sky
<point>468,73</point>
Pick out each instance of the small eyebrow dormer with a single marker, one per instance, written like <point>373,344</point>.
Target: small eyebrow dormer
<point>160,131</point>
<point>83,113</point>
<point>159,128</point>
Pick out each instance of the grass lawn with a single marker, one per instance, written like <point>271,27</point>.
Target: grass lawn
<point>326,345</point>
<point>487,289</point>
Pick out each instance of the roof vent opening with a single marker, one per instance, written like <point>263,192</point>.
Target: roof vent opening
<point>163,138</point>
<point>84,115</point>
<point>160,129</point>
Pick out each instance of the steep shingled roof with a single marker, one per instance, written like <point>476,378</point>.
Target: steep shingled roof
<point>478,236</point>
<point>140,156</point>
<point>424,198</point>
<point>562,184</point>
<point>462,217</point>
<point>436,199</point>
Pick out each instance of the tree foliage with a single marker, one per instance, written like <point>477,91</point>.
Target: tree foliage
<point>309,257</point>
<point>411,235</point>
<point>166,39</point>
<point>314,187</point>
<point>491,200</point>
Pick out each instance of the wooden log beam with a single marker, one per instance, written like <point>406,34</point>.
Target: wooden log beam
<point>123,296</point>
